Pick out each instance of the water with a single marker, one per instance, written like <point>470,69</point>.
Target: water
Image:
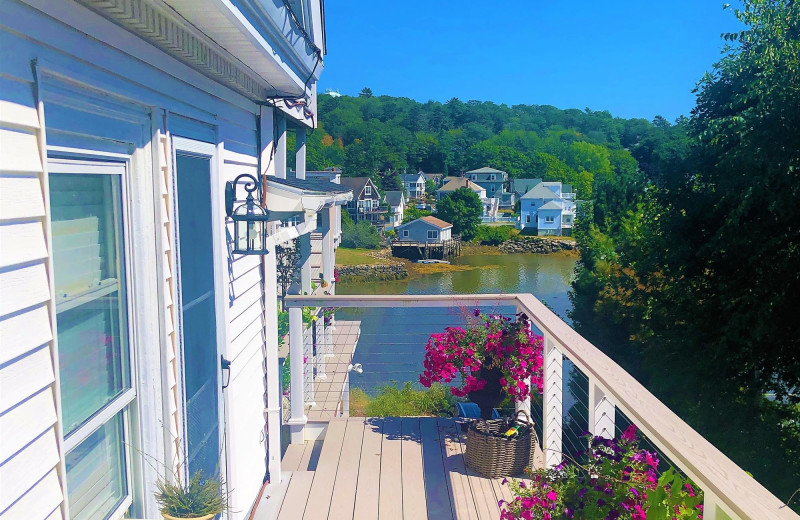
<point>392,342</point>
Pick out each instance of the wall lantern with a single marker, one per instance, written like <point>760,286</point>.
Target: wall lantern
<point>226,371</point>
<point>249,219</point>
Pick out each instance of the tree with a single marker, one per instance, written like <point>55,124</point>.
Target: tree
<point>366,92</point>
<point>360,236</point>
<point>463,209</point>
<point>287,262</point>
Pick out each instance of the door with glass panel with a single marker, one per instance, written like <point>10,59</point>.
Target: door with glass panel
<point>193,174</point>
<point>87,208</point>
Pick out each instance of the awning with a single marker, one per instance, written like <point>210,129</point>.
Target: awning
<point>294,195</point>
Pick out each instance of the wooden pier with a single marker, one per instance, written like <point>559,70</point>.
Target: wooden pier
<point>441,250</point>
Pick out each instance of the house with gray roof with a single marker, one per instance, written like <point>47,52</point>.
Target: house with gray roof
<point>496,183</point>
<point>522,186</point>
<point>548,209</point>
<point>366,202</point>
<point>396,202</point>
<point>414,185</point>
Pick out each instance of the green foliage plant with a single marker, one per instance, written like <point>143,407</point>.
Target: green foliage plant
<point>198,497</point>
<point>462,209</point>
<point>405,401</point>
<point>613,479</point>
<point>360,236</point>
<point>493,235</point>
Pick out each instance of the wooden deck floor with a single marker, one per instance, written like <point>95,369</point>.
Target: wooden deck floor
<point>380,469</point>
<point>328,391</point>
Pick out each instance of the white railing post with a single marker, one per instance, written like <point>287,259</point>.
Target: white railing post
<point>308,366</point>
<point>553,402</point>
<point>304,259</point>
<point>327,245</point>
<point>526,404</point>
<point>602,413</point>
<point>322,347</point>
<point>298,420</point>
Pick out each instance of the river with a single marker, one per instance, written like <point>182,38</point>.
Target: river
<point>392,341</point>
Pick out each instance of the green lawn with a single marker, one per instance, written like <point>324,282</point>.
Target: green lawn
<point>346,256</point>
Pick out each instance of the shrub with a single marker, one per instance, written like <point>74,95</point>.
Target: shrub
<point>405,401</point>
<point>493,235</point>
<point>360,236</point>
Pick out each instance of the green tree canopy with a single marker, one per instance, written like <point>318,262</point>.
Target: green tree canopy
<point>463,209</point>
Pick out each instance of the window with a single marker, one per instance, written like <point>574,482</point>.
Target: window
<point>405,233</point>
<point>549,219</point>
<point>474,177</point>
<point>433,234</point>
<point>492,177</point>
<point>86,204</point>
<point>492,189</point>
<point>527,219</point>
<point>367,190</point>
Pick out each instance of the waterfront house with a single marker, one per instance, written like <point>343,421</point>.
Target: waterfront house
<point>435,178</point>
<point>134,343</point>
<point>366,202</point>
<point>414,185</point>
<point>496,183</point>
<point>425,230</point>
<point>460,182</point>
<point>396,201</point>
<point>522,186</point>
<point>548,209</point>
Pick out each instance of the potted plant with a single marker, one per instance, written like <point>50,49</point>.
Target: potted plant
<point>493,356</point>
<point>199,499</point>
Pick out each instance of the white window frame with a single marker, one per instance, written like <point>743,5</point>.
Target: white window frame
<point>549,219</point>
<point>211,152</point>
<point>492,177</point>
<point>528,218</point>
<point>405,233</point>
<point>433,234</point>
<point>76,162</point>
<point>368,190</point>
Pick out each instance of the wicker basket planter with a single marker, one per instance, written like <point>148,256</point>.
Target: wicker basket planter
<point>492,454</point>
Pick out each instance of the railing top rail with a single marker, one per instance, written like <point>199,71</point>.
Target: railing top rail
<point>406,300</point>
<point>712,470</point>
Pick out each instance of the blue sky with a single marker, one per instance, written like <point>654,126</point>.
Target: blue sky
<point>635,58</point>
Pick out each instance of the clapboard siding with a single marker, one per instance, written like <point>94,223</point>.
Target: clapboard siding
<point>30,487</point>
<point>246,394</point>
<point>25,422</point>
<point>21,474</point>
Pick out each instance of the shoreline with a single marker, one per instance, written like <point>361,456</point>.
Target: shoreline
<point>390,264</point>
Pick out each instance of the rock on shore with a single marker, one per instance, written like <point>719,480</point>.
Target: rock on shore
<point>540,245</point>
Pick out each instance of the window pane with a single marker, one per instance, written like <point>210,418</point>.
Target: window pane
<point>90,293</point>
<point>96,479</point>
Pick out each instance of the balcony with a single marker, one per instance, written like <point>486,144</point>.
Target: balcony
<point>342,466</point>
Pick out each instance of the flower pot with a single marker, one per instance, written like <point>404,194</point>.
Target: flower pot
<point>204,517</point>
<point>491,395</point>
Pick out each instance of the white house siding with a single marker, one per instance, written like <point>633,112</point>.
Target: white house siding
<point>119,87</point>
<point>30,485</point>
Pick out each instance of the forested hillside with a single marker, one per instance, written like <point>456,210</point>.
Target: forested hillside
<point>383,136</point>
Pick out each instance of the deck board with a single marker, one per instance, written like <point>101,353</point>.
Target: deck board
<point>437,489</point>
<point>414,503</point>
<point>309,458</point>
<point>292,457</point>
<point>390,503</point>
<point>482,490</point>
<point>368,487</point>
<point>460,490</point>
<point>297,495</point>
<point>344,488</point>
<point>325,472</point>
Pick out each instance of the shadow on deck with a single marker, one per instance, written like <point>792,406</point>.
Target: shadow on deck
<point>395,468</point>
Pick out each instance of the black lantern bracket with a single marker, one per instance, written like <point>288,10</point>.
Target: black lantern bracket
<point>252,185</point>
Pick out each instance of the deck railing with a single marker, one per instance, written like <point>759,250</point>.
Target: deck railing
<point>611,396</point>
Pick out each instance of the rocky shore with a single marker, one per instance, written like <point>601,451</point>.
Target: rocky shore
<point>540,245</point>
<point>372,273</point>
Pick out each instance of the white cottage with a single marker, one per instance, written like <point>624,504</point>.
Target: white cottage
<point>121,302</point>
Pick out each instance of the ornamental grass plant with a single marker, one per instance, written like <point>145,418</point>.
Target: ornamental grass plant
<point>199,497</point>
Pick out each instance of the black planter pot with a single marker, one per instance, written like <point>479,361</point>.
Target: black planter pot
<point>491,395</point>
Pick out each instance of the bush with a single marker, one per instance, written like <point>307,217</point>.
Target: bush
<point>494,235</point>
<point>392,401</point>
<point>360,236</point>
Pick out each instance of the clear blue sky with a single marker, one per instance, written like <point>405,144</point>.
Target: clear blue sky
<point>635,58</point>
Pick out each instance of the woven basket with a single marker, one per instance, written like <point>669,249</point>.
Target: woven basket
<point>492,454</point>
